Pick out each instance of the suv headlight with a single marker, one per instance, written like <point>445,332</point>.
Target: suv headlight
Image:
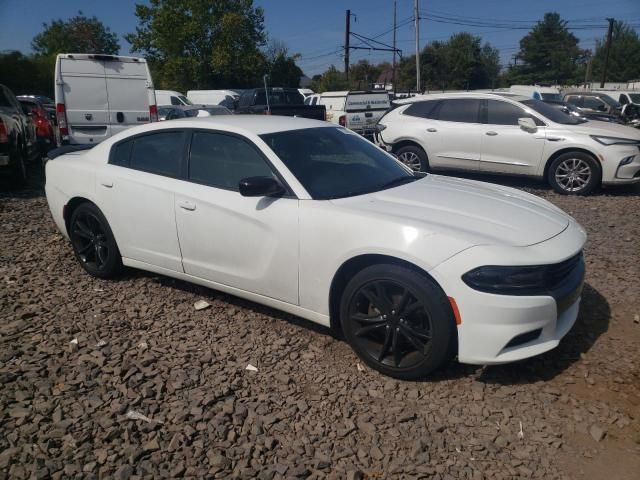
<point>614,140</point>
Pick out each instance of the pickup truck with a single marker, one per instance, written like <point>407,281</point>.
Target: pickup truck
<point>282,101</point>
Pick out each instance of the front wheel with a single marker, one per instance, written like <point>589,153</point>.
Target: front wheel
<point>93,242</point>
<point>574,173</point>
<point>398,321</point>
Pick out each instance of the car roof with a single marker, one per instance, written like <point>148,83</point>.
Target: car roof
<point>242,124</point>
<point>442,96</point>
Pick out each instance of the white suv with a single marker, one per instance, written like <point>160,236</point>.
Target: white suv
<point>509,134</point>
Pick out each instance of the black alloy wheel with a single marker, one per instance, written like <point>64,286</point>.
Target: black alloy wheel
<point>398,321</point>
<point>93,242</point>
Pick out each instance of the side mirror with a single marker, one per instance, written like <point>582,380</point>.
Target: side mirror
<point>527,124</point>
<point>260,187</point>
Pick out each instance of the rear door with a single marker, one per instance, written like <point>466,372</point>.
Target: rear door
<point>454,136</point>
<point>128,94</point>
<point>507,148</point>
<point>86,99</point>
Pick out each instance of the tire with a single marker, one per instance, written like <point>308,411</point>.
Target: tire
<point>93,242</point>
<point>413,157</point>
<point>574,173</point>
<point>398,321</point>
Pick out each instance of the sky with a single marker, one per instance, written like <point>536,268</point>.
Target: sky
<point>315,28</point>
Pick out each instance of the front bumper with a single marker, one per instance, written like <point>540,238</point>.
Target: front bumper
<point>614,172</point>
<point>498,329</point>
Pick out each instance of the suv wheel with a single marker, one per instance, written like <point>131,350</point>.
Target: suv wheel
<point>574,173</point>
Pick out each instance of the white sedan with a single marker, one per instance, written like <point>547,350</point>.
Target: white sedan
<point>309,218</point>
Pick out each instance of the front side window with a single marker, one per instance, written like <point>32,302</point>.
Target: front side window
<point>175,100</point>
<point>464,110</point>
<point>574,100</point>
<point>158,153</point>
<point>423,109</point>
<point>333,162</point>
<point>505,113</point>
<point>594,103</point>
<point>221,160</point>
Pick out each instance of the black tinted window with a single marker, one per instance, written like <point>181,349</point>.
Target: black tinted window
<point>121,153</point>
<point>503,113</point>
<point>593,103</point>
<point>158,153</point>
<point>574,100</point>
<point>459,110</point>
<point>223,160</point>
<point>423,109</point>
<point>175,101</point>
<point>4,99</point>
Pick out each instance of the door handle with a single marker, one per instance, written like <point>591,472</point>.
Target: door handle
<point>432,130</point>
<point>106,183</point>
<point>187,205</point>
<point>491,133</point>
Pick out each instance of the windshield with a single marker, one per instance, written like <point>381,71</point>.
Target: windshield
<point>555,97</point>
<point>185,100</point>
<point>635,97</point>
<point>551,113</point>
<point>334,162</point>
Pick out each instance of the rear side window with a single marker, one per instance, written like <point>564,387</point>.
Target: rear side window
<point>222,160</point>
<point>121,153</point>
<point>574,100</point>
<point>593,103</point>
<point>158,153</point>
<point>504,113</point>
<point>423,109</point>
<point>464,110</point>
<point>623,99</point>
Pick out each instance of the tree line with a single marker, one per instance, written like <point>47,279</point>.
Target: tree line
<point>208,44</point>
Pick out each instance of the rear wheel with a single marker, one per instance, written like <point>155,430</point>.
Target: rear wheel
<point>93,242</point>
<point>574,173</point>
<point>398,321</point>
<point>413,157</point>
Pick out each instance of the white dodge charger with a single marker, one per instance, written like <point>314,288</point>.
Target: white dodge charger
<point>308,217</point>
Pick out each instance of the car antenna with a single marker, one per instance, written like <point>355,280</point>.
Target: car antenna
<point>266,93</point>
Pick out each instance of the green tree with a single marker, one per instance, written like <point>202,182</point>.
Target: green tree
<point>79,34</point>
<point>27,74</point>
<point>362,74</point>
<point>282,68</point>
<point>331,80</point>
<point>549,54</point>
<point>624,56</point>
<point>201,43</point>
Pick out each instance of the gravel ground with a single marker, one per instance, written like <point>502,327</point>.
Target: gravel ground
<point>126,379</point>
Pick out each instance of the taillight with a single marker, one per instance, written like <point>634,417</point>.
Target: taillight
<point>343,120</point>
<point>4,138</point>
<point>61,115</point>
<point>153,113</point>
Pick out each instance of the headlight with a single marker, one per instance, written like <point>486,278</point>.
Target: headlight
<point>550,280</point>
<point>614,140</point>
<point>508,280</point>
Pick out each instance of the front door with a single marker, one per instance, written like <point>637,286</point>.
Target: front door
<point>506,147</point>
<point>249,243</point>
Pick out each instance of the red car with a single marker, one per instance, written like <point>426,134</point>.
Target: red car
<point>45,129</point>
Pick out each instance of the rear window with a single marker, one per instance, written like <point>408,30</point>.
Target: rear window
<point>464,110</point>
<point>279,97</point>
<point>423,109</point>
<point>158,153</point>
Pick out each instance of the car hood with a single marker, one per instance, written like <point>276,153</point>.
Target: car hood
<point>478,212</point>
<point>607,129</point>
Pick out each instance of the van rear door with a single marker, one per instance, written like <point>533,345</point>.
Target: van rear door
<point>128,93</point>
<point>85,98</point>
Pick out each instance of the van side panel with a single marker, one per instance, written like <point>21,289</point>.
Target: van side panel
<point>85,97</point>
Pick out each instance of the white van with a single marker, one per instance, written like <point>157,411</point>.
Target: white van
<point>211,97</point>
<point>100,95</point>
<point>537,92</point>
<point>171,97</point>
<point>305,92</point>
<point>357,110</point>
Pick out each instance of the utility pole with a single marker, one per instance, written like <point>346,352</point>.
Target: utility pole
<point>393,76</point>
<point>416,19</point>
<point>347,34</point>
<point>606,55</point>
